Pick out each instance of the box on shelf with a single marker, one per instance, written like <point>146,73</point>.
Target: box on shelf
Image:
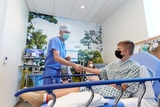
<point>33,53</point>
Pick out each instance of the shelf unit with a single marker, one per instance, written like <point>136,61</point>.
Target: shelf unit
<point>34,71</point>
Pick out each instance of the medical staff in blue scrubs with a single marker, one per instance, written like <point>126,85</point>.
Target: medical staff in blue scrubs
<point>56,55</point>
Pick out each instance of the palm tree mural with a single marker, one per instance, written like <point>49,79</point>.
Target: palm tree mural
<point>94,37</point>
<point>36,38</point>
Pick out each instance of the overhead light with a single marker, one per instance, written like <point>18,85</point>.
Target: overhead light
<point>82,7</point>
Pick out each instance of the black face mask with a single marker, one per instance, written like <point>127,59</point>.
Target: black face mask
<point>118,54</point>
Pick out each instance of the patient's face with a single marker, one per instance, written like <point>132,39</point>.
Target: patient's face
<point>122,49</point>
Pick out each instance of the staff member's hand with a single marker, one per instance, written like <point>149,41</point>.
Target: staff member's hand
<point>68,58</point>
<point>78,68</point>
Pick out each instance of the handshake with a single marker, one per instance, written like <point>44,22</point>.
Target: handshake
<point>78,68</point>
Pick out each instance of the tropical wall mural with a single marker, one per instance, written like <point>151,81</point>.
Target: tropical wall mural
<point>91,39</point>
<point>35,37</point>
<point>86,38</point>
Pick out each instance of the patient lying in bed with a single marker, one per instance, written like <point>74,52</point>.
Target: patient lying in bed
<point>124,68</point>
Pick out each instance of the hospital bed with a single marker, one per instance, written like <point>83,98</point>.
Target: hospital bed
<point>143,58</point>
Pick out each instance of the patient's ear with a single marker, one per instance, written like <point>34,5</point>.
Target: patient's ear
<point>127,52</point>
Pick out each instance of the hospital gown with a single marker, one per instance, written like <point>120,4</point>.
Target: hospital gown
<point>118,70</point>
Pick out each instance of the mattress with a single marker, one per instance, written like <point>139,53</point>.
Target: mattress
<point>129,102</point>
<point>133,102</point>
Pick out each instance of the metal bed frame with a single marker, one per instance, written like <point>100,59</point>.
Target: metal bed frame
<point>50,88</point>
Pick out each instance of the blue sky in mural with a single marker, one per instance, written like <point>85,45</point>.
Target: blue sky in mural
<point>77,31</point>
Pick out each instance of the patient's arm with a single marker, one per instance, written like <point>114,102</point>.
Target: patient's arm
<point>91,70</point>
<point>123,86</point>
<point>93,78</point>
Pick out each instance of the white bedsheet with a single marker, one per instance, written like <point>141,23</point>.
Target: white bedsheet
<point>133,102</point>
<point>79,99</point>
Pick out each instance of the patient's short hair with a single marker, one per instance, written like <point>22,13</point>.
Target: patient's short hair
<point>127,44</point>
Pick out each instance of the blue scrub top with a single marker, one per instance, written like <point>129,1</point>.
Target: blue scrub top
<point>57,44</point>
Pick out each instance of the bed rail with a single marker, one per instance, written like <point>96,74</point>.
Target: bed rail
<point>119,97</point>
<point>159,100</point>
<point>70,76</point>
<point>50,88</point>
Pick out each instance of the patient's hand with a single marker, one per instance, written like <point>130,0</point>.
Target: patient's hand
<point>78,68</point>
<point>115,86</point>
<point>93,78</point>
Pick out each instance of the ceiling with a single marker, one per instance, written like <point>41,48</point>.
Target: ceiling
<point>95,11</point>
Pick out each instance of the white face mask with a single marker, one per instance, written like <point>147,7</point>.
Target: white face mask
<point>91,65</point>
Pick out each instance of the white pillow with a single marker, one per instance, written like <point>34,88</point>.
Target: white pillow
<point>79,99</point>
<point>144,73</point>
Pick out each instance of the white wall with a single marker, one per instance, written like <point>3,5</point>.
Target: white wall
<point>14,38</point>
<point>127,23</point>
<point>3,6</point>
<point>152,10</point>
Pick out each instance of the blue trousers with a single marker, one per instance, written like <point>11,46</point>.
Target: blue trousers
<point>51,72</point>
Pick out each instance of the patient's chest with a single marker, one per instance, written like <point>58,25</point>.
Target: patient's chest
<point>119,71</point>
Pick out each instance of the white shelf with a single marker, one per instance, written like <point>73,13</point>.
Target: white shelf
<point>34,58</point>
<point>35,66</point>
